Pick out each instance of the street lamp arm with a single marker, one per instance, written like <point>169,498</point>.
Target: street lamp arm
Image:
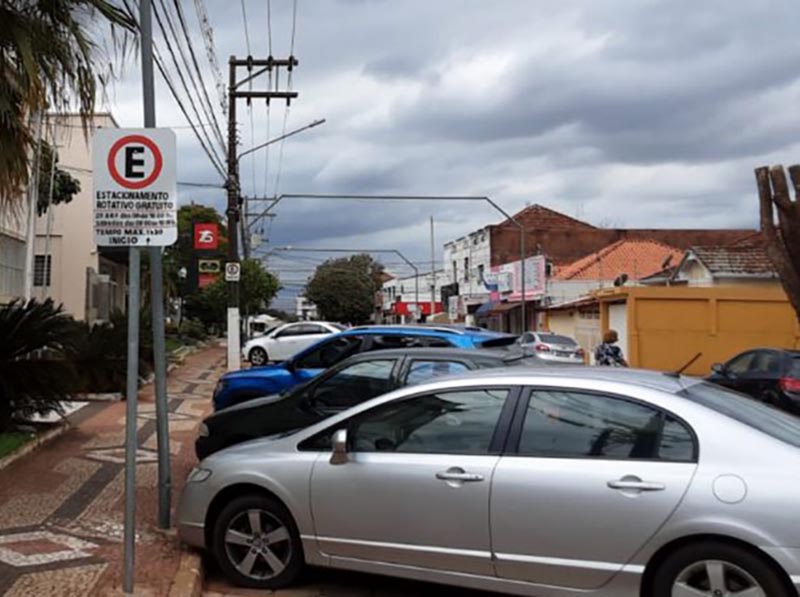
<point>281,138</point>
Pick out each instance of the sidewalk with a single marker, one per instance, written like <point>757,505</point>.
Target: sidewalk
<point>61,506</point>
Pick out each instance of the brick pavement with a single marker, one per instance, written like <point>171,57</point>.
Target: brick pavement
<point>61,506</point>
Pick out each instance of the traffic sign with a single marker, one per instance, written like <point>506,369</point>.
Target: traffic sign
<point>233,271</point>
<point>208,266</point>
<point>135,195</point>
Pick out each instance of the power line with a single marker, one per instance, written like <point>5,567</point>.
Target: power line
<point>205,106</point>
<point>246,30</point>
<point>190,45</point>
<point>269,26</point>
<point>211,54</point>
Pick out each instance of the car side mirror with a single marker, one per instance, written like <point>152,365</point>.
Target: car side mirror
<point>339,443</point>
<point>718,368</point>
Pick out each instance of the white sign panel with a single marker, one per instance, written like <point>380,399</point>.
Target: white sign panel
<point>233,272</point>
<point>135,195</point>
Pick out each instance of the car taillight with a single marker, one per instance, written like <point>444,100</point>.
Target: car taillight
<point>542,348</point>
<point>790,384</point>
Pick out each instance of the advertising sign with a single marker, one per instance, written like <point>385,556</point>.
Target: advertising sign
<point>206,237</point>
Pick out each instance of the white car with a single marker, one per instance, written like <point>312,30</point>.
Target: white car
<point>287,340</point>
<point>553,348</point>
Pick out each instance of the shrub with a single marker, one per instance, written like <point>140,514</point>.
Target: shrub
<point>193,329</point>
<point>36,370</point>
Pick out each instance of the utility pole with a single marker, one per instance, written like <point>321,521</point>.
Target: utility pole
<point>433,274</point>
<point>255,69</point>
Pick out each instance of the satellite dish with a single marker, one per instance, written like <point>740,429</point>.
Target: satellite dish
<point>621,279</point>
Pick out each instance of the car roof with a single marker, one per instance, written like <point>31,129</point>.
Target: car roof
<point>481,353</point>
<point>424,330</point>
<point>637,377</point>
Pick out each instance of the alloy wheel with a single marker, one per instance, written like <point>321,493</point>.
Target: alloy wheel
<point>716,578</point>
<point>258,356</point>
<point>258,544</point>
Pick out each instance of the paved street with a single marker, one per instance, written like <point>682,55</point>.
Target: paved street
<point>61,506</point>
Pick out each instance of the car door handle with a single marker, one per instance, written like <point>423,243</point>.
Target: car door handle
<point>459,475</point>
<point>636,485</point>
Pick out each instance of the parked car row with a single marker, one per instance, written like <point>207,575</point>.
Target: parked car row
<point>377,448</point>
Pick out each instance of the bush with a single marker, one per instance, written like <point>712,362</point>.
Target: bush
<point>36,368</point>
<point>193,329</point>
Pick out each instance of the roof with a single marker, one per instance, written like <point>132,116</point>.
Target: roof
<point>636,258</point>
<point>540,217</point>
<point>441,352</point>
<point>744,259</point>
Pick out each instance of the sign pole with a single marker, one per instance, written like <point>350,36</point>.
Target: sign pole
<point>157,293</point>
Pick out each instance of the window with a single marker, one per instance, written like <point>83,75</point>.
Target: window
<point>354,384</point>
<point>460,422</point>
<point>311,328</point>
<point>383,342</point>
<point>766,362</point>
<point>42,270</point>
<point>481,269</point>
<point>327,354</point>
<point>421,371</point>
<point>746,410</point>
<point>556,339</point>
<point>402,289</point>
<point>575,424</point>
<point>793,369</point>
<point>455,271</point>
<point>466,269</point>
<point>741,364</point>
<point>292,330</point>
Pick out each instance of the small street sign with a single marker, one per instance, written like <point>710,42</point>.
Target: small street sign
<point>134,185</point>
<point>233,271</point>
<point>209,266</point>
<point>206,237</point>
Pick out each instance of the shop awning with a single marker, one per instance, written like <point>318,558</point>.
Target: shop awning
<point>504,307</point>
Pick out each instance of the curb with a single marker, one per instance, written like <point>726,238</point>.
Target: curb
<point>188,581</point>
<point>33,445</point>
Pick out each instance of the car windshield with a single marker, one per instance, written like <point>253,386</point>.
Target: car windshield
<point>556,339</point>
<point>339,326</point>
<point>773,422</point>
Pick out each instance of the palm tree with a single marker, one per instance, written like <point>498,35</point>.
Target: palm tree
<point>49,60</point>
<point>36,371</point>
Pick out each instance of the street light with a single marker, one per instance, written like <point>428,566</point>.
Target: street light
<point>339,250</point>
<point>281,138</point>
<point>182,274</point>
<point>509,217</point>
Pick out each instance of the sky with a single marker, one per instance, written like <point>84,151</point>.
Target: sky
<point>628,113</point>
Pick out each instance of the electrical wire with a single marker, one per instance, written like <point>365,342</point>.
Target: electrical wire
<point>210,149</point>
<point>211,53</point>
<point>246,30</point>
<point>269,26</point>
<point>190,45</point>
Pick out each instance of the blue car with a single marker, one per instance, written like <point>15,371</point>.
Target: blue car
<point>239,386</point>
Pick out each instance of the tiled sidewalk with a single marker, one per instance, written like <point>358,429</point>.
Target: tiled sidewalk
<point>61,506</point>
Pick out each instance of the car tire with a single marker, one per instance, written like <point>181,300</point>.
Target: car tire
<point>253,560</point>
<point>694,565</point>
<point>258,356</point>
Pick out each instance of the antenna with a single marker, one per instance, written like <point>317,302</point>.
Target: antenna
<point>677,374</point>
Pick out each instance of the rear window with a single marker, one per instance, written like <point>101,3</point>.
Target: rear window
<point>556,339</point>
<point>794,367</point>
<point>778,424</point>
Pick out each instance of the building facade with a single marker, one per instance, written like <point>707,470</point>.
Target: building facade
<point>90,281</point>
<point>408,298</point>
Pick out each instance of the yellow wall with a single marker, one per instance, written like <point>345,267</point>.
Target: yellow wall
<point>667,326</point>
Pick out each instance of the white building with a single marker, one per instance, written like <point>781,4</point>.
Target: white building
<point>305,309</point>
<point>400,295</point>
<point>466,261</point>
<point>12,251</point>
<point>69,267</point>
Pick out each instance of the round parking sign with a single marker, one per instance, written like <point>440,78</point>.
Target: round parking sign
<point>131,153</point>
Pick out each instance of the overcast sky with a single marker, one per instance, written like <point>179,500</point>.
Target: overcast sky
<point>636,113</point>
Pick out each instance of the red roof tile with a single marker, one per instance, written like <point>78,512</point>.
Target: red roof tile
<point>636,258</point>
<point>740,259</point>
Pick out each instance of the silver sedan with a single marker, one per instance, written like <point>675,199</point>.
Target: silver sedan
<point>531,482</point>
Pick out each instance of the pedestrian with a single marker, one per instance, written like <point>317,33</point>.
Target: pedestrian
<point>608,354</point>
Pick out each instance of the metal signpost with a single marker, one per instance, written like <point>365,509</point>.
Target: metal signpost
<point>135,206</point>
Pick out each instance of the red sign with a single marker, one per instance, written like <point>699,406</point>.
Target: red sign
<point>133,146</point>
<point>204,280</point>
<point>206,237</point>
<point>401,308</point>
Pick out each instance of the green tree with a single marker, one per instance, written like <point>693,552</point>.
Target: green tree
<point>344,289</point>
<point>257,289</point>
<point>65,187</point>
<point>49,60</point>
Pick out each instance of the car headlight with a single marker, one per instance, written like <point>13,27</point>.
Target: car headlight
<point>203,430</point>
<point>198,475</point>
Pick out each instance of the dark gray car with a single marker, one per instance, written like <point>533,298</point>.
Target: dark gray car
<point>347,384</point>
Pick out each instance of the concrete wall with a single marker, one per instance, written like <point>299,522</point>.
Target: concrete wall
<point>667,326</point>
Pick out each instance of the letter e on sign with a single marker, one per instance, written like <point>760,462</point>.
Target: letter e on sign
<point>134,187</point>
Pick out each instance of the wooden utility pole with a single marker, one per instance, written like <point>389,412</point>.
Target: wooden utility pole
<point>255,69</point>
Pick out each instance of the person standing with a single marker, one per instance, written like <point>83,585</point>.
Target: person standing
<point>608,354</point>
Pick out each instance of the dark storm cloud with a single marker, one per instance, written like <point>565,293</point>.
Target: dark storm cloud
<point>647,113</point>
